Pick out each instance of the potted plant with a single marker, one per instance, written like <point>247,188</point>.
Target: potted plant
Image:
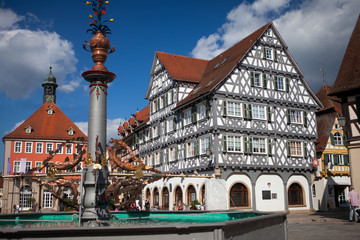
<point>195,204</point>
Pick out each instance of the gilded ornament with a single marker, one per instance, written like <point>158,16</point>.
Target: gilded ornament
<point>89,160</point>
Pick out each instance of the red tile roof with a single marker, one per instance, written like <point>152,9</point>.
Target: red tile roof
<point>327,101</point>
<point>45,126</point>
<point>222,65</point>
<point>348,77</point>
<point>183,68</point>
<point>143,115</point>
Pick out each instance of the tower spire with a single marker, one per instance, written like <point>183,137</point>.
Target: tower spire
<point>49,86</point>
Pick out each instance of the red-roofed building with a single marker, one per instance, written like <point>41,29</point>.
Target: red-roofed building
<point>247,116</point>
<point>347,88</point>
<point>29,144</point>
<point>332,175</point>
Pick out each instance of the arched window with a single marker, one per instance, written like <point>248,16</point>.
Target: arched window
<point>239,196</point>
<point>165,199</point>
<point>337,139</point>
<point>156,198</point>
<point>191,194</point>
<point>295,194</point>
<point>178,195</point>
<point>148,194</point>
<point>202,195</point>
<point>25,198</point>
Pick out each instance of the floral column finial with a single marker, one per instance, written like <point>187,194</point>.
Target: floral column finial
<point>97,23</point>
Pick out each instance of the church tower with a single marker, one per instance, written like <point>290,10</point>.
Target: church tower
<point>49,86</point>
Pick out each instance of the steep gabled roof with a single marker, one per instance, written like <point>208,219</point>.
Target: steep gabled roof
<point>222,65</point>
<point>143,115</point>
<point>348,77</point>
<point>327,101</point>
<point>46,126</point>
<point>183,68</point>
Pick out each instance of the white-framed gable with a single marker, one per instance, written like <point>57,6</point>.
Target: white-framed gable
<point>160,79</point>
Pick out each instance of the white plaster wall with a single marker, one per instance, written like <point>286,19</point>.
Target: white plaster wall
<point>320,199</point>
<point>305,187</point>
<point>239,178</point>
<point>275,184</point>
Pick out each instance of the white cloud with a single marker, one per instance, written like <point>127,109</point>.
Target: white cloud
<point>70,86</point>
<point>8,18</point>
<point>112,127</point>
<point>15,127</point>
<point>316,32</point>
<point>25,56</point>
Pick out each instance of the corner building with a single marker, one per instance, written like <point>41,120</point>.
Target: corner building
<point>246,117</point>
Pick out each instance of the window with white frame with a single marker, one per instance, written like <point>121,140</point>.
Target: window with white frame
<point>204,144</point>
<point>47,199</point>
<point>59,148</point>
<point>187,117</point>
<point>49,147</point>
<point>201,111</point>
<point>155,131</point>
<point>157,158</point>
<point>162,102</point>
<point>28,166</point>
<point>296,149</point>
<point>340,159</point>
<point>170,125</point>
<point>17,147</point>
<point>69,149</point>
<point>172,154</point>
<point>28,147</point>
<point>258,112</point>
<point>258,145</point>
<point>190,149</point>
<point>25,194</point>
<point>296,116</point>
<point>268,32</point>
<point>38,164</point>
<point>257,79</point>
<point>280,83</point>
<point>39,147</point>
<point>268,53</point>
<point>338,139</point>
<point>234,109</point>
<point>16,166</point>
<point>233,143</point>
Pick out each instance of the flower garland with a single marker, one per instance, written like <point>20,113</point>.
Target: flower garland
<point>99,10</point>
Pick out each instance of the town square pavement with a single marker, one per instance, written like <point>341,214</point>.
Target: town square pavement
<point>322,225</point>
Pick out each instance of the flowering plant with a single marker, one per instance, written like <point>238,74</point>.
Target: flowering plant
<point>99,10</point>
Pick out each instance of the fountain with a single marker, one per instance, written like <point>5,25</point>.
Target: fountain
<point>93,219</point>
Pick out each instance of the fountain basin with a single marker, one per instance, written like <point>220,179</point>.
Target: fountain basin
<point>149,225</point>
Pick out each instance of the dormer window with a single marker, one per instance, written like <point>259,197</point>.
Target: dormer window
<point>268,32</point>
<point>28,129</point>
<point>50,110</point>
<point>71,131</point>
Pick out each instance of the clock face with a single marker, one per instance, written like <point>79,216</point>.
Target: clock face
<point>50,98</point>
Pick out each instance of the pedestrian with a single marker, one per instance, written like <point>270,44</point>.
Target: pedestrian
<point>14,207</point>
<point>354,205</point>
<point>39,209</point>
<point>18,208</point>
<point>147,205</point>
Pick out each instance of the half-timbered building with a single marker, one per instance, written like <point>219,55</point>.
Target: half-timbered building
<point>246,117</point>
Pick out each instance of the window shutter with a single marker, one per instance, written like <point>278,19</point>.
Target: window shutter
<point>245,111</point>
<point>224,143</point>
<point>153,158</point>
<point>264,52</point>
<point>185,152</point>
<point>264,81</point>
<point>174,124</point>
<point>194,114</point>
<point>275,55</point>
<point>151,133</point>
<point>288,116</point>
<point>326,159</point>
<point>158,104</point>
<point>249,112</point>
<point>182,119</point>
<point>250,149</point>
<point>196,147</point>
<point>305,119</point>
<point>287,84</point>
<point>172,96</point>
<point>207,111</point>
<point>268,114</point>
<point>161,158</point>
<point>346,159</point>
<point>305,150</point>
<point>159,130</point>
<point>166,99</point>
<point>166,127</point>
<point>177,152</point>
<point>252,78</point>
<point>344,138</point>
<point>151,110</point>
<point>137,138</point>
<point>336,159</point>
<point>288,148</point>
<point>276,83</point>
<point>269,147</point>
<point>224,108</point>
<point>357,103</point>
<point>245,141</point>
<point>210,143</point>
<point>332,139</point>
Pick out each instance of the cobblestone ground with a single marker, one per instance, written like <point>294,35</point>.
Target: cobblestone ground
<point>322,225</point>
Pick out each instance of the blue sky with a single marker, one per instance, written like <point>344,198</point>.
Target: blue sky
<point>37,33</point>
